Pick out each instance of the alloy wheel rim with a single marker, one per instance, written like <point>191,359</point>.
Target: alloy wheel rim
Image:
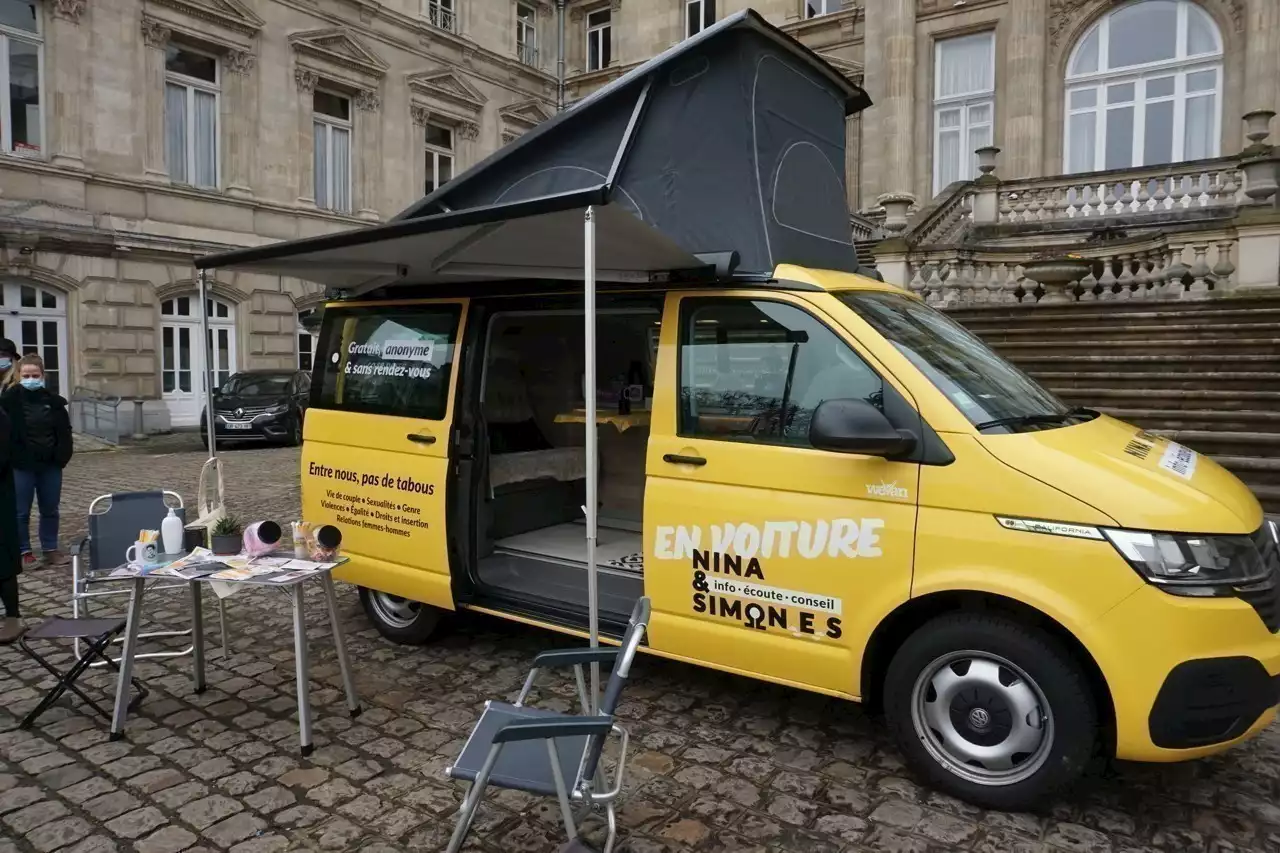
<point>982,717</point>
<point>395,611</point>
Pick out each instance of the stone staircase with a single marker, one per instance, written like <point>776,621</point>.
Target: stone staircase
<point>1205,373</point>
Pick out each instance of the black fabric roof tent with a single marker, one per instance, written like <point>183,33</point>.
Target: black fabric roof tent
<point>728,145</point>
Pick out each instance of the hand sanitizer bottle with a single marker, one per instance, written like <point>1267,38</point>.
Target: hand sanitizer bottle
<point>171,533</point>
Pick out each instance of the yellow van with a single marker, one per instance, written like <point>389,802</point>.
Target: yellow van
<point>817,479</point>
<point>821,482</point>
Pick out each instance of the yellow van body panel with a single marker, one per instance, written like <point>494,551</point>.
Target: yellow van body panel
<point>414,566</point>
<point>831,280</point>
<point>384,481</point>
<point>1117,467</point>
<point>828,603</point>
<point>1139,642</point>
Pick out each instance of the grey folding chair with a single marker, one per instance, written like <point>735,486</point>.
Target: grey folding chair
<point>114,522</point>
<point>550,753</point>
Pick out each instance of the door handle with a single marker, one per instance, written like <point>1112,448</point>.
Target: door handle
<point>421,439</point>
<point>678,459</point>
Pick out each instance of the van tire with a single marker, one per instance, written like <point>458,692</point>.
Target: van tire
<point>400,620</point>
<point>977,647</point>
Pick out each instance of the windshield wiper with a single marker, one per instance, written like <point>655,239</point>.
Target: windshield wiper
<point>1038,418</point>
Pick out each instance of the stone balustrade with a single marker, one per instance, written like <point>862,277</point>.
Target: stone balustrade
<point>1177,186</point>
<point>1177,267</point>
<point>1176,231</point>
<point>1136,197</point>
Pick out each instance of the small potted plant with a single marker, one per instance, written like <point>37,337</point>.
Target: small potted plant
<point>225,537</point>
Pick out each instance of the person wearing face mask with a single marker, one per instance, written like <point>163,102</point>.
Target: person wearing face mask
<point>10,558</point>
<point>8,364</point>
<point>40,447</point>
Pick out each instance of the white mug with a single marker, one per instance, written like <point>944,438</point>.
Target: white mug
<point>141,552</point>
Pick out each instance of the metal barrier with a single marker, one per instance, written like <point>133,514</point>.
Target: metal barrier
<point>96,414</point>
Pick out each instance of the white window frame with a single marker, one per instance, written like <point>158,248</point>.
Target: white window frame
<point>36,38</point>
<point>435,152</point>
<point>602,33</point>
<point>823,8</point>
<point>13,315</point>
<point>964,102</point>
<point>527,34</point>
<point>1180,67</point>
<point>700,8</point>
<point>441,14</point>
<point>330,123</point>
<point>215,89</point>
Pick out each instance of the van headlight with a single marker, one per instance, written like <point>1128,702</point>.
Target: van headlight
<point>1191,565</point>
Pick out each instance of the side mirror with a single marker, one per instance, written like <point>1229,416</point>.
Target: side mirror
<point>856,426</point>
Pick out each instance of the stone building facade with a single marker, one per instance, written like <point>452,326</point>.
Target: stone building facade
<point>138,134</point>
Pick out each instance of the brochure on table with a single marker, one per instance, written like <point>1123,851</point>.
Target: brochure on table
<point>224,572</point>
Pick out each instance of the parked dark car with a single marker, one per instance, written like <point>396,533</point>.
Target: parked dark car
<point>259,405</point>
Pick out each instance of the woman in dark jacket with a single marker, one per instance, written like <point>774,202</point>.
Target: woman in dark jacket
<point>41,448</point>
<point>10,565</point>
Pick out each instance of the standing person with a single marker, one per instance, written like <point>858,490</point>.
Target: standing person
<point>8,364</point>
<point>41,447</point>
<point>10,562</point>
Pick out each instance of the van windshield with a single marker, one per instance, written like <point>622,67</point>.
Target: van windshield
<point>991,392</point>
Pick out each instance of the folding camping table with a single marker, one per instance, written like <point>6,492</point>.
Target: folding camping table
<point>295,588</point>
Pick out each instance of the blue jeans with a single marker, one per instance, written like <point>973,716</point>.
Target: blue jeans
<point>45,486</point>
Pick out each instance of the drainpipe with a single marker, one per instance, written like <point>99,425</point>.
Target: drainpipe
<point>560,57</point>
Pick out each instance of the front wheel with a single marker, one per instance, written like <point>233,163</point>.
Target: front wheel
<point>401,620</point>
<point>990,711</point>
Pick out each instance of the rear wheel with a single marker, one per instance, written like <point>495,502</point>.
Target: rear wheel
<point>990,711</point>
<point>400,619</point>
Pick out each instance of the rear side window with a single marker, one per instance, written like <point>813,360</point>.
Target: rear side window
<point>387,361</point>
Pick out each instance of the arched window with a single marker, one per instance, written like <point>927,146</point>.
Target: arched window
<point>1144,86</point>
<point>34,317</point>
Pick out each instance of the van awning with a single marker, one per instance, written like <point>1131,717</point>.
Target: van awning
<point>536,239</point>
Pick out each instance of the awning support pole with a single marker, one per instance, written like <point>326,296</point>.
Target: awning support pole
<point>206,356</point>
<point>560,56</point>
<point>593,468</point>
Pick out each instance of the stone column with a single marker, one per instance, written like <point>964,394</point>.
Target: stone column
<point>155,36</point>
<point>890,46</point>
<point>65,120</point>
<point>306,81</point>
<point>239,117</point>
<point>852,159</point>
<point>1262,57</point>
<point>367,153</point>
<point>419,115</point>
<point>465,153</point>
<point>1026,47</point>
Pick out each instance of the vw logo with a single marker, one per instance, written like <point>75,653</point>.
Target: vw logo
<point>239,413</point>
<point>980,719</point>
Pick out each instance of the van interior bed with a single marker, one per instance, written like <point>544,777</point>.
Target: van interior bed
<point>532,530</point>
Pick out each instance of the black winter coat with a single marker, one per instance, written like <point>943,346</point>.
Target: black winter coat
<point>10,559</point>
<point>22,456</point>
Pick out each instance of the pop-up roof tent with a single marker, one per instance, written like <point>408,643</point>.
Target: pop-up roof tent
<point>731,141</point>
<point>720,158</point>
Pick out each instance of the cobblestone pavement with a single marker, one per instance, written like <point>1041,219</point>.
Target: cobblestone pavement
<point>719,763</point>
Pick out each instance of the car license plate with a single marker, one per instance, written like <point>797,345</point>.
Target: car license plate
<point>237,426</point>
